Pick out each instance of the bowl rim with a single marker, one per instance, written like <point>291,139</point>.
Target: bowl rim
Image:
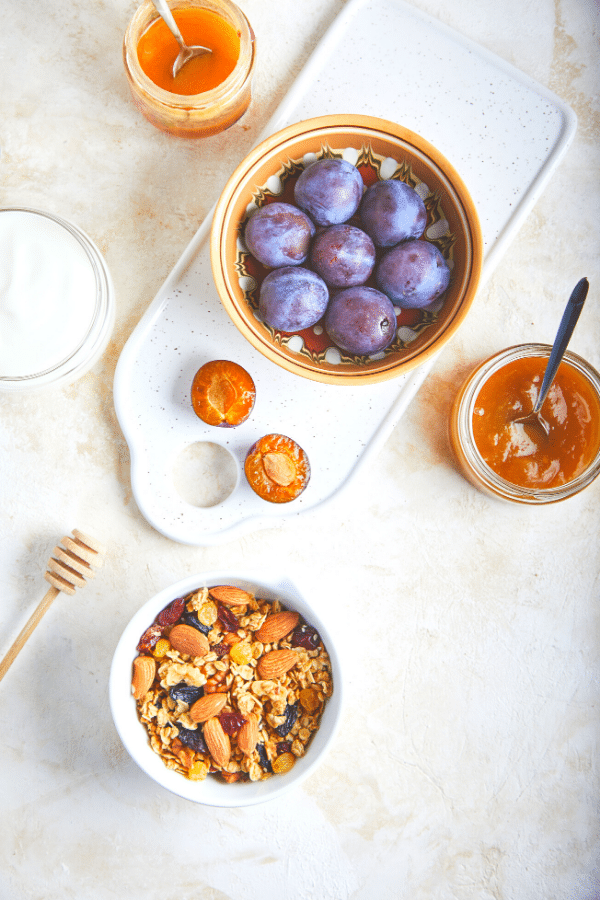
<point>133,734</point>
<point>365,126</point>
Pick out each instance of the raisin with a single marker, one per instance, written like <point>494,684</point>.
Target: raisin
<point>192,619</point>
<point>263,759</point>
<point>185,692</point>
<point>284,763</point>
<point>172,612</point>
<point>231,722</point>
<point>150,638</point>
<point>221,649</point>
<point>305,636</point>
<point>192,739</point>
<point>227,618</point>
<point>284,747</point>
<point>291,714</point>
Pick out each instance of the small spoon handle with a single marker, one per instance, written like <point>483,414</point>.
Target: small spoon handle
<point>563,336</point>
<point>166,14</point>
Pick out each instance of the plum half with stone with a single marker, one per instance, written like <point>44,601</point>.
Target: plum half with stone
<point>279,234</point>
<point>329,190</point>
<point>413,274</point>
<point>392,211</point>
<point>292,298</point>
<point>343,255</point>
<point>223,393</point>
<point>361,320</point>
<point>277,468</point>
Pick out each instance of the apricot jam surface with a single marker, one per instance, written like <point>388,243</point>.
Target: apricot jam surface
<point>524,455</point>
<point>157,50</point>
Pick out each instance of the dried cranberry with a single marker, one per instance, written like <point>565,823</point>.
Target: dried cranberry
<point>305,636</point>
<point>192,619</point>
<point>172,612</point>
<point>186,692</point>
<point>192,739</point>
<point>231,722</point>
<point>150,638</point>
<point>227,618</point>
<point>263,759</point>
<point>284,747</point>
<point>291,714</point>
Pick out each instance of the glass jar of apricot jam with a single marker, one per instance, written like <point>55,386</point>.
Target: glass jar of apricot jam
<point>210,93</point>
<point>518,462</point>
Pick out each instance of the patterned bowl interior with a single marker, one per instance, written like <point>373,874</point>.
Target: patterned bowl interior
<point>380,150</point>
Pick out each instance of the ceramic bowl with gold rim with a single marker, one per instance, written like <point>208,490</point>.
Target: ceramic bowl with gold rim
<point>380,150</point>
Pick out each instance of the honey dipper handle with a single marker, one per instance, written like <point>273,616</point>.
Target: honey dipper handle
<point>27,630</point>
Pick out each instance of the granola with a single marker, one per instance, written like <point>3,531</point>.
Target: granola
<point>260,726</point>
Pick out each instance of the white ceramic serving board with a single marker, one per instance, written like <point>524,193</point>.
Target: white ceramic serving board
<point>502,132</point>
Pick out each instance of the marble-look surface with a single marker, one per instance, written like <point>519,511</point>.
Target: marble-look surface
<point>467,762</point>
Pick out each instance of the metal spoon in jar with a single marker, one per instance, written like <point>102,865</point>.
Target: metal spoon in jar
<point>185,53</point>
<point>563,336</point>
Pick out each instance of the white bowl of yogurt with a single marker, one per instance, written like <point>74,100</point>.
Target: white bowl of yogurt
<point>57,305</point>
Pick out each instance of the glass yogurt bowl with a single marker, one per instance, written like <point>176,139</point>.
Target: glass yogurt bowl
<point>192,115</point>
<point>57,305</point>
<point>524,457</point>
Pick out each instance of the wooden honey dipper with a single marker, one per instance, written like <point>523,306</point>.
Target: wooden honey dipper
<point>68,569</point>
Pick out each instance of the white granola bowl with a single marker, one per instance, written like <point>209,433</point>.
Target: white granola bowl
<point>211,791</point>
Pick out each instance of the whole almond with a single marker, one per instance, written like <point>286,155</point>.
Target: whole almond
<point>187,639</point>
<point>248,735</point>
<point>217,741</point>
<point>144,670</point>
<point>277,625</point>
<point>276,663</point>
<point>229,595</point>
<point>208,706</point>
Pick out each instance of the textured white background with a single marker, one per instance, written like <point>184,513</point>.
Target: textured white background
<point>467,763</point>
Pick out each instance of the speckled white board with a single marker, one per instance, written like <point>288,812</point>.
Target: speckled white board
<point>503,133</point>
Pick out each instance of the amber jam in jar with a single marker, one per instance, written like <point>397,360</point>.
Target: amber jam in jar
<point>210,92</point>
<point>516,461</point>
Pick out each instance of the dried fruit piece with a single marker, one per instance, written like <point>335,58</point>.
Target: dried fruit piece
<point>144,670</point>
<point>192,619</point>
<point>188,640</point>
<point>150,638</point>
<point>231,722</point>
<point>277,468</point>
<point>248,735</point>
<point>161,648</point>
<point>283,763</point>
<point>291,714</point>
<point>223,393</point>
<point>305,636</point>
<point>230,596</point>
<point>193,739</point>
<point>277,625</point>
<point>208,706</point>
<point>172,612</point>
<point>263,759</point>
<point>227,618</point>
<point>218,743</point>
<point>187,693</point>
<point>276,663</point>
<point>241,653</point>
<point>309,700</point>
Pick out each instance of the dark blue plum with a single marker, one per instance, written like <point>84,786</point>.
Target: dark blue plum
<point>343,255</point>
<point>361,320</point>
<point>392,211</point>
<point>329,190</point>
<point>413,274</point>
<point>292,298</point>
<point>279,234</point>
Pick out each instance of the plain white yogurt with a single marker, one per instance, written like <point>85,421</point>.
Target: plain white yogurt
<point>55,299</point>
